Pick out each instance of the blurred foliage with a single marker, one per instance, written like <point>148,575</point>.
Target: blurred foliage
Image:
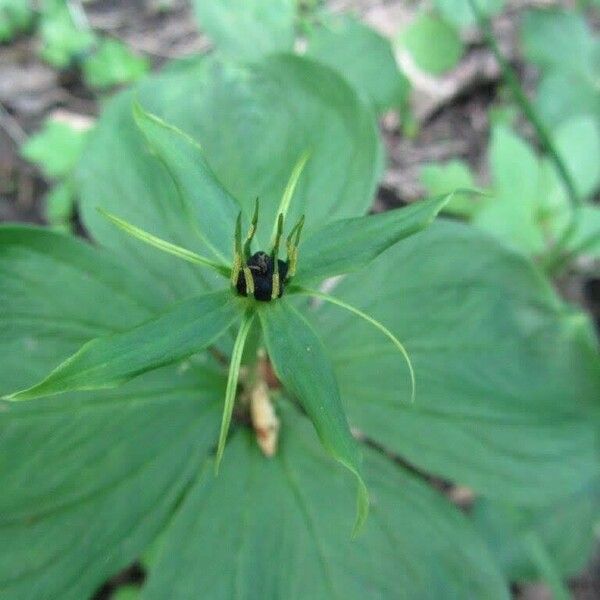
<point>438,57</point>
<point>16,17</point>
<point>113,63</point>
<point>57,149</point>
<point>363,57</point>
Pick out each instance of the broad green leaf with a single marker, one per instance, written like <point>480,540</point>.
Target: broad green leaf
<point>460,13</point>
<point>113,63</point>
<point>433,44</point>
<point>57,293</point>
<point>184,329</point>
<point>89,481</point>
<point>303,367</point>
<point>363,57</point>
<point>248,29</point>
<point>241,117</point>
<point>587,238</point>
<point>56,148</point>
<point>279,529</point>
<point>562,95</point>
<point>578,142</point>
<point>558,38</point>
<point>210,206</point>
<point>350,244</point>
<point>567,532</point>
<point>512,215</point>
<point>507,375</point>
<point>562,45</point>
<point>444,178</point>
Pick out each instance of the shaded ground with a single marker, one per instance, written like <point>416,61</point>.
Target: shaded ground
<point>452,115</point>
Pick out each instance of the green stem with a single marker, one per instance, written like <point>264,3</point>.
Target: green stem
<point>542,133</point>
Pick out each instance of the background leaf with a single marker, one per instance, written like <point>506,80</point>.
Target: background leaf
<point>512,215</point>
<point>459,12</point>
<point>113,63</point>
<point>296,507</point>
<point>363,57</point>
<point>56,148</point>
<point>248,29</point>
<point>444,178</point>
<point>507,375</point>
<point>438,57</point>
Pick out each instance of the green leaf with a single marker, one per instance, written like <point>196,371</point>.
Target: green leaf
<point>563,46</point>
<point>512,215</point>
<point>56,294</point>
<point>89,481</point>
<point>350,244</point>
<point>444,178</point>
<point>507,375</point>
<point>60,204</point>
<point>578,142</point>
<point>296,506</point>
<point>248,29</point>
<point>558,38</point>
<point>303,367</point>
<point>210,206</point>
<point>460,13</point>
<point>113,63</point>
<point>241,117</point>
<point>507,529</point>
<point>56,148</point>
<point>63,39</point>
<point>433,44</point>
<point>16,16</point>
<point>186,328</point>
<point>363,57</point>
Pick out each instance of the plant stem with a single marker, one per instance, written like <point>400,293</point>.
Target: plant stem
<point>554,257</point>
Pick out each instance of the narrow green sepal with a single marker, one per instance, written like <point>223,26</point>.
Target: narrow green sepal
<point>232,382</point>
<point>163,245</point>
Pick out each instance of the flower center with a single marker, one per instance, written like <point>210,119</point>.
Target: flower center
<point>261,267</point>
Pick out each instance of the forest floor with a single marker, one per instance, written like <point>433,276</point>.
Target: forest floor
<point>452,114</point>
